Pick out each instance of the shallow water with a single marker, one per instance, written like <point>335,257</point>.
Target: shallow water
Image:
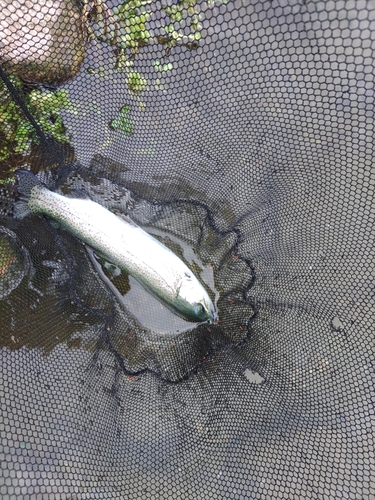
<point>149,311</point>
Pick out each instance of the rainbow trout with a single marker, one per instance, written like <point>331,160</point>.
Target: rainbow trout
<point>122,243</point>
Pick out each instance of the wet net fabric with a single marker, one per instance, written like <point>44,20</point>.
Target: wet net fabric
<point>248,150</point>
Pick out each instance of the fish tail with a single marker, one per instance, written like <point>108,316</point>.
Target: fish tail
<point>26,182</point>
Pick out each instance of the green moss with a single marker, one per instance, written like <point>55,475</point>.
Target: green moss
<point>136,83</point>
<point>163,68</point>
<point>184,10</point>
<point>132,18</point>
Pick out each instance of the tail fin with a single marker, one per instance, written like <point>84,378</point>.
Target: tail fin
<point>26,182</point>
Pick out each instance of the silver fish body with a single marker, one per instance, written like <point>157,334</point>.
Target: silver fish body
<point>124,244</point>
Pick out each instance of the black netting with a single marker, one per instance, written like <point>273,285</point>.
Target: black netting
<point>240,134</point>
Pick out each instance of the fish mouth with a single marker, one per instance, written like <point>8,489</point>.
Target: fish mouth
<point>213,317</point>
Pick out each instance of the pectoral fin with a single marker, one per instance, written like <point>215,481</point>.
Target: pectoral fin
<point>21,210</point>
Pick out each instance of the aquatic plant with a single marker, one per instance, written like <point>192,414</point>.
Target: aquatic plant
<point>122,122</point>
<point>16,132</point>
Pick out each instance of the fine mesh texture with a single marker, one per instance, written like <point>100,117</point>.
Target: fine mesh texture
<point>253,151</point>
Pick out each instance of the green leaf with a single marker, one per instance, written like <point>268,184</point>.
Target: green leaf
<point>122,122</point>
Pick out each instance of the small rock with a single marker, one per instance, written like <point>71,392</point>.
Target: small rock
<point>41,41</point>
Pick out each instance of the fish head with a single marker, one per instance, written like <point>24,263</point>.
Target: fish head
<point>193,302</point>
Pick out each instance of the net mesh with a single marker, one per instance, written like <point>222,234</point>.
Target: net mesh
<point>241,135</point>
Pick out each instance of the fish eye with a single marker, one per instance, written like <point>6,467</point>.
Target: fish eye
<point>199,309</point>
